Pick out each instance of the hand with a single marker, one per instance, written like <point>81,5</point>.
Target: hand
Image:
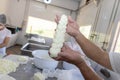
<point>72,26</point>
<point>70,56</point>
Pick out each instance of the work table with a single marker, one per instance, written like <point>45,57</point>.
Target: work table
<point>26,71</point>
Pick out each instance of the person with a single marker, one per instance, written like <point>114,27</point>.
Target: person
<point>108,60</point>
<point>5,35</point>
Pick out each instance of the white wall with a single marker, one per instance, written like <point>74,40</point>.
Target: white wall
<point>15,12</point>
<point>105,15</point>
<point>87,15</point>
<point>3,6</point>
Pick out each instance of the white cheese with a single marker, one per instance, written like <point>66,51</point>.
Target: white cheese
<point>6,77</point>
<point>59,37</point>
<point>38,76</point>
<point>7,66</point>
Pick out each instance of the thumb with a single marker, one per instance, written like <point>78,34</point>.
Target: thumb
<point>70,19</point>
<point>57,19</point>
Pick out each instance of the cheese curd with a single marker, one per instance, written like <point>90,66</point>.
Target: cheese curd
<point>6,77</point>
<point>7,66</point>
<point>38,76</point>
<point>59,37</point>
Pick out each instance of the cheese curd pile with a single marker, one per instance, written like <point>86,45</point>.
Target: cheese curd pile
<point>38,76</point>
<point>7,66</point>
<point>6,77</point>
<point>59,37</point>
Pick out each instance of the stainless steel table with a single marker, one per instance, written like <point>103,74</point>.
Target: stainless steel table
<point>26,72</point>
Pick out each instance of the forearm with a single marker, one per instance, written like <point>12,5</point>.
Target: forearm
<point>93,51</point>
<point>5,42</point>
<point>87,72</point>
<point>3,45</point>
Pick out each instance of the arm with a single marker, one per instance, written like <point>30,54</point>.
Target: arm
<point>5,42</point>
<point>93,51</point>
<point>87,72</point>
<point>90,49</point>
<point>75,58</point>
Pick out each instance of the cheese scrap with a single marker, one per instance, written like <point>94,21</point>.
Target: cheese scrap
<point>38,76</point>
<point>59,37</point>
<point>22,59</point>
<point>7,66</point>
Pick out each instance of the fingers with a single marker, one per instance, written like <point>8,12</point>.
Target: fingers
<point>63,56</point>
<point>66,46</point>
<point>59,58</point>
<point>63,49</point>
<point>70,19</point>
<point>57,19</point>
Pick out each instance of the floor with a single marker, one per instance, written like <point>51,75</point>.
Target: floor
<point>16,49</point>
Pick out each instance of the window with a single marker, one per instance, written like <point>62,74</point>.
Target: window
<point>117,41</point>
<point>41,27</point>
<point>85,30</point>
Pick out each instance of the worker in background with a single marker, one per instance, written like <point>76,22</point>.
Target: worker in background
<point>110,61</point>
<point>5,35</point>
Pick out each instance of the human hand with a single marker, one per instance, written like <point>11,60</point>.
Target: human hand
<point>70,56</point>
<point>72,27</point>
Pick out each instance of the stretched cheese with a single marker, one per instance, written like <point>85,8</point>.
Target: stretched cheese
<point>59,37</point>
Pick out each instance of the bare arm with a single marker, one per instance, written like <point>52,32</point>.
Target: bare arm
<point>87,72</point>
<point>90,49</point>
<point>93,51</point>
<point>75,58</point>
<point>5,42</point>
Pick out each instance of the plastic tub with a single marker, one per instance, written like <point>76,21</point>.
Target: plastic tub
<point>42,60</point>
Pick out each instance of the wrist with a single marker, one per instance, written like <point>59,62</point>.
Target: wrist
<point>76,34</point>
<point>81,64</point>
